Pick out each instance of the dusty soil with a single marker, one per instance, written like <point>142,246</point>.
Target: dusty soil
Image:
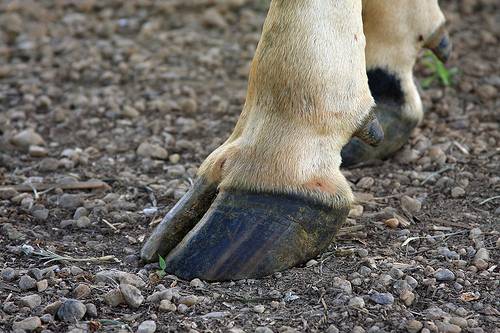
<point>97,79</point>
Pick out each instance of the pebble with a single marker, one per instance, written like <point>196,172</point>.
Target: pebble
<point>91,310</point>
<point>150,150</point>
<point>332,329</point>
<point>37,151</point>
<point>365,183</point>
<point>81,291</point>
<point>457,192</point>
<point>358,329</point>
<point>213,19</point>
<point>174,158</point>
<point>189,300</point>
<point>114,298</point>
<point>80,211</point>
<point>167,306</point>
<point>122,277</point>
<point>31,301</point>
<point>148,326</point>
<point>411,205</point>
<point>8,274</point>
<point>29,324</point>
<point>263,329</point>
<point>41,214</point>
<point>196,283</point>
<point>382,298</point>
<point>481,258</point>
<point>27,282</point>
<point>392,223</point>
<point>459,321</point>
<point>48,164</point>
<point>259,308</point>
<point>357,302</point>
<point>342,284</point>
<point>83,222</point>
<point>27,138</point>
<point>182,308</point>
<point>444,274</point>
<point>414,326</point>
<point>448,328</point>
<point>52,307</point>
<point>132,295</point>
<point>8,193</point>
<point>407,297</point>
<point>70,201</point>
<point>356,211</point>
<point>71,311</point>
<point>160,296</point>
<point>47,318</point>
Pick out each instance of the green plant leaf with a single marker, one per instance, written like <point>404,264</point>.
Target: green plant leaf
<point>162,263</point>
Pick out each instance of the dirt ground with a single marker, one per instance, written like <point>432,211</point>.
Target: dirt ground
<point>137,93</point>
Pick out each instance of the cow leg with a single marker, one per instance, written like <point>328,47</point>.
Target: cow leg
<point>279,194</point>
<point>395,33</point>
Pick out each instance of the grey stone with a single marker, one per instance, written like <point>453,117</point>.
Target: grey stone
<point>444,274</point>
<point>9,274</point>
<point>70,200</point>
<point>148,326</point>
<point>31,301</point>
<point>71,311</point>
<point>27,282</point>
<point>29,324</point>
<point>132,295</point>
<point>382,298</point>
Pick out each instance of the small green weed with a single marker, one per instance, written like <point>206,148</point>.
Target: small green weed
<point>439,72</point>
<point>163,265</point>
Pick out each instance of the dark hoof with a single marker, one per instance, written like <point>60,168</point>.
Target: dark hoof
<point>397,128</point>
<point>179,220</point>
<point>251,235</point>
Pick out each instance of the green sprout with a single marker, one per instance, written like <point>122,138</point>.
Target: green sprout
<point>439,72</point>
<point>163,265</point>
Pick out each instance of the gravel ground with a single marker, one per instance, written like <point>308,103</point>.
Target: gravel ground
<point>136,94</point>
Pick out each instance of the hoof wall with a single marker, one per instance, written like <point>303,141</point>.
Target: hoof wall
<point>251,235</point>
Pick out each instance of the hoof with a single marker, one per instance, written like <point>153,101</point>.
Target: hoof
<point>252,235</point>
<point>179,220</point>
<point>397,128</point>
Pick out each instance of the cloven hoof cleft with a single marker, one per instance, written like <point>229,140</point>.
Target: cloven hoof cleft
<point>252,235</point>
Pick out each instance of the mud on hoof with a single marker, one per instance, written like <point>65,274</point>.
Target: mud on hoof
<point>251,235</point>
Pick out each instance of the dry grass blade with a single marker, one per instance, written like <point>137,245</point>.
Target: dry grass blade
<point>52,257</point>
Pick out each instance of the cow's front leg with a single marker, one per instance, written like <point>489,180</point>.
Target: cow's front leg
<point>396,31</point>
<point>272,196</point>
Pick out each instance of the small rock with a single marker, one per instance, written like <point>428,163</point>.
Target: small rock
<point>91,310</point>
<point>182,308</point>
<point>196,283</point>
<point>392,223</point>
<point>459,321</point>
<point>448,328</point>
<point>382,298</point>
<point>356,211</point>
<point>414,326</point>
<point>81,291</point>
<point>31,301</point>
<point>357,302</point>
<point>48,164</point>
<point>83,222</point>
<point>28,324</point>
<point>27,138</point>
<point>481,258</point>
<point>167,306</point>
<point>122,277</point>
<point>26,282</point>
<point>160,296</point>
<point>263,329</point>
<point>259,308</point>
<point>8,193</point>
<point>213,19</point>
<point>114,298</point>
<point>343,285</point>
<point>189,300</point>
<point>150,150</point>
<point>411,205</point>
<point>52,307</point>
<point>148,326</point>
<point>132,295</point>
<point>311,263</point>
<point>457,192</point>
<point>37,151</point>
<point>8,274</point>
<point>41,214</point>
<point>47,318</point>
<point>80,211</point>
<point>69,201</point>
<point>71,311</point>
<point>332,329</point>
<point>358,329</point>
<point>407,297</point>
<point>444,274</point>
<point>365,183</point>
